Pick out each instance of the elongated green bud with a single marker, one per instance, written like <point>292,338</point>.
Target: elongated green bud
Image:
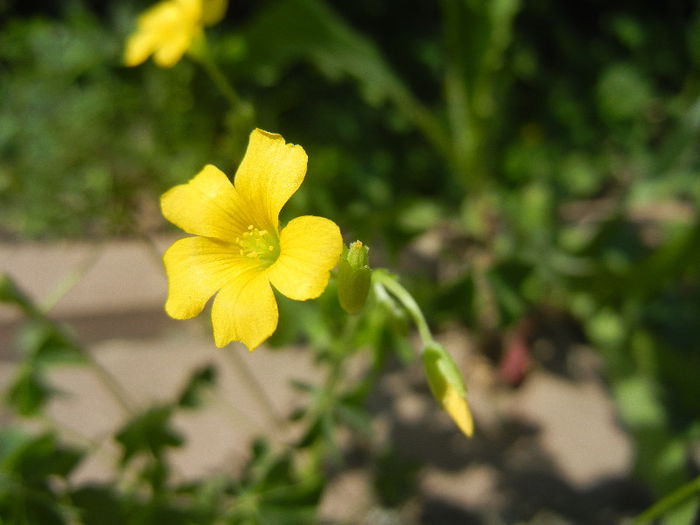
<point>354,277</point>
<point>447,385</point>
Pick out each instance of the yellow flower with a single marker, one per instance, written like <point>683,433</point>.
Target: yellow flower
<point>239,249</point>
<point>457,407</point>
<point>447,385</point>
<point>168,29</point>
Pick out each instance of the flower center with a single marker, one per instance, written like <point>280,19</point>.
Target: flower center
<point>259,244</point>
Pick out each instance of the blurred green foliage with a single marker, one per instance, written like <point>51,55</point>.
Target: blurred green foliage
<point>552,146</point>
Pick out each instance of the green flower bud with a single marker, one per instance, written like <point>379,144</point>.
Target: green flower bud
<point>447,385</point>
<point>354,277</point>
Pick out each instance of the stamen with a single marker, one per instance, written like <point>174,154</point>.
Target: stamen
<point>258,244</point>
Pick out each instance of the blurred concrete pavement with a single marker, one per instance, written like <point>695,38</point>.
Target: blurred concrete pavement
<point>558,427</point>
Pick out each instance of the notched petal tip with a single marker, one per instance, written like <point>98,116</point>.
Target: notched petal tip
<point>245,310</point>
<point>268,134</point>
<point>269,174</point>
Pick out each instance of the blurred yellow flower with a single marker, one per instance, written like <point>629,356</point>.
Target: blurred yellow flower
<point>238,248</point>
<point>168,29</point>
<point>457,407</point>
<point>447,385</point>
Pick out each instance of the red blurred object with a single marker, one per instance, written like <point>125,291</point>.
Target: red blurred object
<point>515,362</point>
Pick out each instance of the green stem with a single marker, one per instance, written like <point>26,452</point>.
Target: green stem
<point>236,416</point>
<point>460,116</point>
<point>674,499</point>
<point>109,382</point>
<point>255,387</point>
<point>65,286</point>
<point>384,279</point>
<point>222,83</point>
<point>71,279</point>
<point>424,120</point>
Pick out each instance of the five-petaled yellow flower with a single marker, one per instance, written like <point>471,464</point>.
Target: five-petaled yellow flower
<point>168,29</point>
<point>239,249</point>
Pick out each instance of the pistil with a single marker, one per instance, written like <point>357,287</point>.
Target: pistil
<point>258,244</point>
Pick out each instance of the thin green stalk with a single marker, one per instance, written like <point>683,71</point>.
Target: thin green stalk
<point>424,120</point>
<point>460,115</point>
<point>235,415</point>
<point>109,382</point>
<point>255,387</point>
<point>407,301</point>
<point>222,83</point>
<point>71,279</point>
<point>65,286</point>
<point>93,445</point>
<point>669,502</point>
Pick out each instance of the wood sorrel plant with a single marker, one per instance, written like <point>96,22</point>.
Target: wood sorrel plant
<point>239,251</point>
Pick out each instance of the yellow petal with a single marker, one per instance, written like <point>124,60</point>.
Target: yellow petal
<point>245,310</point>
<point>157,17</point>
<point>207,205</point>
<point>270,172</point>
<point>139,47</point>
<point>213,11</point>
<point>171,50</point>
<point>309,249</point>
<point>165,30</point>
<point>197,267</point>
<point>456,405</point>
<point>190,9</point>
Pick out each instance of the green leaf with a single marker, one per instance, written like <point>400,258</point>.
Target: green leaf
<point>12,438</point>
<point>199,380</point>
<point>306,492</point>
<point>311,31</point>
<point>99,505</point>
<point>12,294</point>
<point>623,92</point>
<point>312,434</point>
<point>303,386</point>
<point>40,457</point>
<point>46,343</point>
<point>29,391</point>
<point>355,417</point>
<point>28,467</point>
<point>638,402</point>
<point>148,432</point>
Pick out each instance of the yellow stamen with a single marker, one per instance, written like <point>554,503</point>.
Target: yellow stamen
<point>258,244</point>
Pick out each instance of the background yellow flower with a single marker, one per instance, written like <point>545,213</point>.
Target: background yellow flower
<point>168,29</point>
<point>238,248</point>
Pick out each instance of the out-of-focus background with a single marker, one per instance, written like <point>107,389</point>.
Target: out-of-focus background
<point>530,169</point>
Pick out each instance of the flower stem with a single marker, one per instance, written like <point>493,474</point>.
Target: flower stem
<point>65,286</point>
<point>391,284</point>
<point>222,83</point>
<point>255,387</point>
<point>109,382</point>
<point>674,499</point>
<point>71,279</point>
